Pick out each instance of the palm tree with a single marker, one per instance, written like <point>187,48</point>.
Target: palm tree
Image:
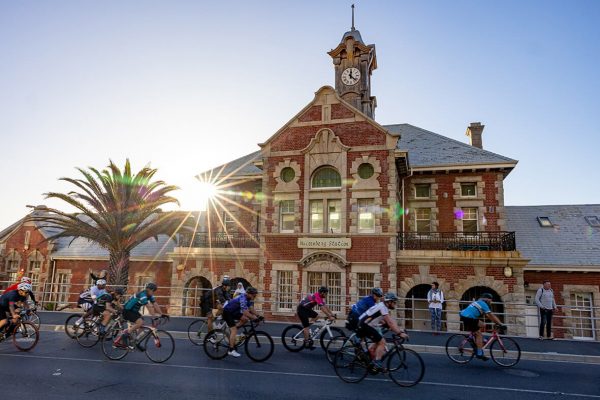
<point>116,209</point>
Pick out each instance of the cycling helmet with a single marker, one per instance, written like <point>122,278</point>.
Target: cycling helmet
<point>486,296</point>
<point>26,287</point>
<point>151,286</point>
<point>377,292</point>
<point>323,289</point>
<point>251,290</point>
<point>226,282</point>
<point>120,291</point>
<point>389,296</point>
<point>101,282</point>
<point>25,280</point>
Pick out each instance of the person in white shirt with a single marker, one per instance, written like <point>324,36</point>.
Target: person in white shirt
<point>435,297</point>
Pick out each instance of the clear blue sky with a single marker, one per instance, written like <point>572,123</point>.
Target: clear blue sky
<point>188,85</point>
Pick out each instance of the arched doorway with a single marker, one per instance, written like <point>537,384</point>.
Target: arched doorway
<point>473,294</point>
<point>416,308</point>
<point>234,284</point>
<point>192,295</point>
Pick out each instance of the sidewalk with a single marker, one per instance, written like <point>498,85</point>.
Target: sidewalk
<point>422,341</point>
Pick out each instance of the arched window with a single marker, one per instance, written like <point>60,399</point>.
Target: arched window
<point>326,177</point>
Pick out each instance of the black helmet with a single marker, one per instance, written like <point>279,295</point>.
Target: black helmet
<point>389,296</point>
<point>251,290</point>
<point>120,291</point>
<point>323,289</point>
<point>377,292</point>
<point>226,282</point>
<point>151,286</point>
<point>486,296</point>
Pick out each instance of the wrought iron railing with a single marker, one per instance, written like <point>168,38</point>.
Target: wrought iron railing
<point>473,241</point>
<point>219,240</point>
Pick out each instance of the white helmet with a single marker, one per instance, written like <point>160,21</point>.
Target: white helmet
<point>26,287</point>
<point>101,282</point>
<point>25,280</point>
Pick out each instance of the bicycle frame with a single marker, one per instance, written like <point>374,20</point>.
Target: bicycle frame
<point>319,326</point>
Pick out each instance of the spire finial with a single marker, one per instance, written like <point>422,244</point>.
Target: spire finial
<point>352,17</point>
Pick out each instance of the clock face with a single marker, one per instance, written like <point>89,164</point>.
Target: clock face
<point>350,76</point>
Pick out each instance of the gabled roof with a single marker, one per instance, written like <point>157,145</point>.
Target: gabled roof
<point>427,149</point>
<point>242,167</point>
<point>571,242</point>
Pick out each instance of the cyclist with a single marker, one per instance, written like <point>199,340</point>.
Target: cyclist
<point>371,322</point>
<point>470,317</point>
<point>361,306</point>
<point>87,299</point>
<point>15,286</point>
<point>214,301</point>
<point>239,309</point>
<point>131,311</point>
<point>9,302</point>
<point>306,312</point>
<point>107,305</point>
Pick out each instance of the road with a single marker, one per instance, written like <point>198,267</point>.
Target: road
<point>58,368</point>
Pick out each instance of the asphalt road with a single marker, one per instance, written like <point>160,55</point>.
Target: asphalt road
<point>58,368</point>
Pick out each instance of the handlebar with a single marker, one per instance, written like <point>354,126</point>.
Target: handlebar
<point>157,321</point>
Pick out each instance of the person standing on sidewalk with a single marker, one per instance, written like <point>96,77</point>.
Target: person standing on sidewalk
<point>544,298</point>
<point>435,297</point>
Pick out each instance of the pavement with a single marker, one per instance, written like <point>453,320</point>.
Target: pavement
<point>577,351</point>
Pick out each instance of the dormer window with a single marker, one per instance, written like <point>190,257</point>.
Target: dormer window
<point>545,222</point>
<point>326,177</point>
<point>593,221</point>
<point>468,190</point>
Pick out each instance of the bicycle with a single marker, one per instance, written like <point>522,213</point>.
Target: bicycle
<point>405,367</point>
<point>197,330</point>
<point>292,337</point>
<point>157,344</point>
<point>336,344</point>
<point>25,334</point>
<point>258,345</point>
<point>89,331</point>
<point>31,315</point>
<point>461,348</point>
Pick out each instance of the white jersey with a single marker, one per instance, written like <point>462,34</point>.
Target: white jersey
<point>374,315</point>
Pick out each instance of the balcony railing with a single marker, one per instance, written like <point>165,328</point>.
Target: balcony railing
<point>474,241</point>
<point>219,240</point>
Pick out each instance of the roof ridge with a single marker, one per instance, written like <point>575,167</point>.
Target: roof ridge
<point>553,205</point>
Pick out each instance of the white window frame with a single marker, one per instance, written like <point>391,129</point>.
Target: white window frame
<point>316,279</point>
<point>417,185</point>
<point>339,216</point>
<point>465,184</point>
<point>476,219</point>
<point>62,286</point>
<point>312,228</point>
<point>365,206</point>
<point>285,290</point>
<point>365,282</point>
<point>576,321</point>
<point>417,220</point>
<point>286,211</point>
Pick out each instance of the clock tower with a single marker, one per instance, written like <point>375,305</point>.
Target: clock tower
<point>354,62</point>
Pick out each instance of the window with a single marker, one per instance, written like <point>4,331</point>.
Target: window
<point>468,190</point>
<point>142,280</point>
<point>229,223</point>
<point>469,220</point>
<point>423,220</point>
<point>366,215</point>
<point>582,315</point>
<point>365,170</point>
<point>326,177</point>
<point>334,215</point>
<point>366,282</point>
<point>287,174</point>
<point>422,190</point>
<point>285,290</point>
<point>333,281</point>
<point>316,216</point>
<point>545,222</point>
<point>27,238</point>
<point>287,216</point>
<point>593,221</point>
<point>62,286</point>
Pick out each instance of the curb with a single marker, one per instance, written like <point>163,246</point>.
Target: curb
<point>425,349</point>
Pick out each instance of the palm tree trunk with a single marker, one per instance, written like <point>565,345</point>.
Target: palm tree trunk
<point>118,271</point>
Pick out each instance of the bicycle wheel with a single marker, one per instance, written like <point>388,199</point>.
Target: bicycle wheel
<point>333,346</point>
<point>216,344</point>
<point>325,336</point>
<point>71,329</point>
<point>33,318</point>
<point>505,352</point>
<point>351,364</point>
<point>460,349</point>
<point>405,367</point>
<point>110,350</point>
<point>197,331</point>
<point>89,334</point>
<point>159,346</point>
<point>259,346</point>
<point>25,336</point>
<point>292,338</point>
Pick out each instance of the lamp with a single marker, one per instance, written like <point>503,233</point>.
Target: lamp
<point>508,272</point>
<point>180,267</point>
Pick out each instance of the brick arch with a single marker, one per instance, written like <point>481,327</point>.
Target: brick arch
<point>323,256</point>
<point>408,284</point>
<point>465,284</point>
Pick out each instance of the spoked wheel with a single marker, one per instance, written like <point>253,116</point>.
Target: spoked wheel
<point>33,318</point>
<point>159,346</point>
<point>89,334</point>
<point>292,338</point>
<point>110,350</point>
<point>259,346</point>
<point>326,337</point>
<point>333,346</point>
<point>405,367</point>
<point>25,336</point>
<point>505,352</point>
<point>216,344</point>
<point>460,349</point>
<point>197,331</point>
<point>351,364</point>
<point>71,329</point>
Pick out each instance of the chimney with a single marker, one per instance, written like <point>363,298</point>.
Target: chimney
<point>474,132</point>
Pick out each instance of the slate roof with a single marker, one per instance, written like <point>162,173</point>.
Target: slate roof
<point>82,248</point>
<point>239,168</point>
<point>571,242</point>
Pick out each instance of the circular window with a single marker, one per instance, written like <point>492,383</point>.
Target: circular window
<point>365,170</point>
<point>287,174</point>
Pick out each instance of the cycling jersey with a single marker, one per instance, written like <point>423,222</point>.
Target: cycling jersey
<point>15,287</point>
<point>363,305</point>
<point>136,302</point>
<point>476,310</point>
<point>103,299</point>
<point>10,298</point>
<point>374,315</point>
<point>96,292</point>
<point>216,296</point>
<point>238,305</point>
<point>312,300</point>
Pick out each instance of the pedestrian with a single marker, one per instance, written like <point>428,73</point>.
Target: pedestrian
<point>435,297</point>
<point>544,298</point>
<point>239,290</point>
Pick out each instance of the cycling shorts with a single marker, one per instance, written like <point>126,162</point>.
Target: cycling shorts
<point>131,316</point>
<point>367,331</point>
<point>231,318</point>
<point>305,314</point>
<point>470,324</point>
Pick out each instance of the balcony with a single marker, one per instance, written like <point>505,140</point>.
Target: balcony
<point>459,241</point>
<point>240,240</point>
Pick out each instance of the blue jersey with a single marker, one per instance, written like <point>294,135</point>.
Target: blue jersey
<point>238,305</point>
<point>363,305</point>
<point>136,302</point>
<point>476,310</point>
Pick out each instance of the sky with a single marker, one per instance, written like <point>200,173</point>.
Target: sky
<point>186,86</point>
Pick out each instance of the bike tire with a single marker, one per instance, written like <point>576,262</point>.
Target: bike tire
<point>333,346</point>
<point>405,367</point>
<point>259,346</point>
<point>505,352</point>
<point>25,336</point>
<point>109,349</point>
<point>216,344</point>
<point>34,318</point>
<point>460,349</point>
<point>89,334</point>
<point>326,337</point>
<point>159,346</point>
<point>349,365</point>
<point>197,330</point>
<point>292,338</point>
<point>71,329</point>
